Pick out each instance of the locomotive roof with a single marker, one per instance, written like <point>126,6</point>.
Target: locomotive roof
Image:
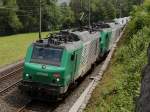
<point>115,25</point>
<point>68,40</point>
<point>68,45</point>
<point>63,39</point>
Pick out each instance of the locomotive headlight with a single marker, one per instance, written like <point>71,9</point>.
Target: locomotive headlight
<point>27,75</point>
<point>58,79</point>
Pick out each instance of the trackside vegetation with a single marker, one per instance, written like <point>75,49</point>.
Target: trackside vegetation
<point>120,87</point>
<point>14,47</point>
<point>22,16</point>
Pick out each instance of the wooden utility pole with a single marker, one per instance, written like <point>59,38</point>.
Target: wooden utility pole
<point>89,14</point>
<point>40,20</point>
<point>116,9</point>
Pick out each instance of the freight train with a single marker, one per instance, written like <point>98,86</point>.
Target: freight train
<point>54,63</point>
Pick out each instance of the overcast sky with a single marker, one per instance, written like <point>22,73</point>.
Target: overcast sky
<point>61,1</point>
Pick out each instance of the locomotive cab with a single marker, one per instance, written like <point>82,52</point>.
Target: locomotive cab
<point>43,63</point>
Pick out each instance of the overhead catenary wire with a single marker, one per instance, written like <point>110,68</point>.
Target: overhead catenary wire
<point>23,6</point>
<point>25,13</point>
<point>116,8</point>
<point>28,12</point>
<point>14,9</point>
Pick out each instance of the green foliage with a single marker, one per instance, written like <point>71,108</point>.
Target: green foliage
<point>9,21</point>
<point>124,74</point>
<point>19,16</point>
<point>50,15</point>
<point>104,9</point>
<point>130,58</point>
<point>28,14</point>
<point>140,18</point>
<point>101,9</point>
<point>68,17</point>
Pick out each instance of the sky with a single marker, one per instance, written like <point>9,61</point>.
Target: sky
<point>61,1</point>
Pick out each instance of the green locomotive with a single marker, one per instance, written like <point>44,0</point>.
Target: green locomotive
<point>54,63</point>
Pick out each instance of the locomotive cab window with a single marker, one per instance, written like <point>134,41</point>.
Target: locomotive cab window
<point>49,56</point>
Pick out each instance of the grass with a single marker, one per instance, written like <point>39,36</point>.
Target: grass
<point>102,95</point>
<point>13,48</point>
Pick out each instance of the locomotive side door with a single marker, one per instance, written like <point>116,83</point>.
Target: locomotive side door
<point>75,65</point>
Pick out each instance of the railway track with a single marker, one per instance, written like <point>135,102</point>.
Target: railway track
<point>7,89</point>
<point>10,68</point>
<point>38,107</point>
<point>22,109</point>
<point>10,74</point>
<point>10,78</point>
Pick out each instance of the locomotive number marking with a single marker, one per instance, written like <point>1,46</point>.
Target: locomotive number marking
<point>42,74</point>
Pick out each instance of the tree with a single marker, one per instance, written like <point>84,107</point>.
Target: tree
<point>9,21</point>
<point>50,15</point>
<point>23,15</point>
<point>29,16</point>
<point>105,10</point>
<point>67,16</point>
<point>100,10</point>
